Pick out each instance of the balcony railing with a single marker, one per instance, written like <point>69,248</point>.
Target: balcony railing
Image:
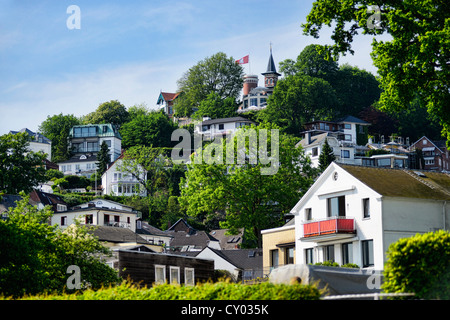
<point>334,225</point>
<point>117,224</point>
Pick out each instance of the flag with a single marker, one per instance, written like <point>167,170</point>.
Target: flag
<point>243,60</point>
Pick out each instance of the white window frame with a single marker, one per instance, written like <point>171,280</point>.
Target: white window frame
<point>171,279</point>
<point>157,280</point>
<point>187,281</point>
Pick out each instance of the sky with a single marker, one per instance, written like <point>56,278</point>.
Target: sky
<point>130,51</point>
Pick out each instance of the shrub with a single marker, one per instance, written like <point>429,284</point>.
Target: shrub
<point>420,265</point>
<point>205,291</point>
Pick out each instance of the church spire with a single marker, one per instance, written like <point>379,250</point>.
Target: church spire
<point>271,75</point>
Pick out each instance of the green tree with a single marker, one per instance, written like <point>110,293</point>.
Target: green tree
<point>57,129</point>
<point>251,200</point>
<point>413,62</point>
<point>420,265</point>
<point>326,156</point>
<point>219,74</point>
<point>103,158</point>
<point>215,107</point>
<point>108,112</point>
<point>154,129</point>
<point>299,99</point>
<point>20,168</point>
<point>34,256</point>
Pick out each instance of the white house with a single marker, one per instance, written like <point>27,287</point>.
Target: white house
<point>347,137</point>
<point>99,212</point>
<point>117,181</point>
<point>351,214</point>
<point>38,142</point>
<point>211,128</point>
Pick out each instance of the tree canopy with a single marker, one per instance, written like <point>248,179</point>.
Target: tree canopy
<point>152,129</point>
<point>219,74</point>
<point>57,128</point>
<point>108,112</point>
<point>249,199</point>
<point>413,63</point>
<point>20,168</point>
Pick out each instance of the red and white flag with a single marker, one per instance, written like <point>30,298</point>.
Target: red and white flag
<point>242,60</point>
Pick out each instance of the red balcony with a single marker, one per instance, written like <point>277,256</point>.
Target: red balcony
<point>335,226</point>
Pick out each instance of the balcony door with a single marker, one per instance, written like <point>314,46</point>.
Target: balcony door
<point>336,207</point>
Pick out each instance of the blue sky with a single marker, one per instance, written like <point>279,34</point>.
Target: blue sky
<point>131,50</point>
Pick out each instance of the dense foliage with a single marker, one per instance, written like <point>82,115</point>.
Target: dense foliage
<point>20,169</point>
<point>420,265</point>
<point>412,63</point>
<point>205,291</point>
<point>34,256</point>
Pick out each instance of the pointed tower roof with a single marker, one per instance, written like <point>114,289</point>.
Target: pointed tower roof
<point>271,69</point>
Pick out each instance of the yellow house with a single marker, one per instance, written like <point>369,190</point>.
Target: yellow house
<point>278,246</point>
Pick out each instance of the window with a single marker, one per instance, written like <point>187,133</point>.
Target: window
<point>328,253</point>
<point>347,126</point>
<point>309,256</point>
<point>347,253</point>
<point>61,207</point>
<point>64,221</point>
<point>429,162</point>
<point>345,154</point>
<point>336,206</point>
<point>89,219</point>
<point>77,167</point>
<point>348,137</point>
<point>108,143</point>
<point>174,273</point>
<point>206,127</point>
<point>189,278</point>
<point>367,253</point>
<point>253,102</point>
<point>315,152</point>
<point>160,274</point>
<point>221,126</point>
<point>366,207</point>
<point>308,214</point>
<point>289,255</point>
<point>274,258</point>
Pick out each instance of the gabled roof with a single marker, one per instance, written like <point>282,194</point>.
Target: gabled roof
<point>242,258</point>
<point>148,229</point>
<point>7,201</point>
<point>351,119</point>
<point>47,199</point>
<point>117,235</point>
<point>442,144</point>
<point>402,183</point>
<point>35,136</point>
<point>167,96</point>
<point>226,241</point>
<point>197,239</point>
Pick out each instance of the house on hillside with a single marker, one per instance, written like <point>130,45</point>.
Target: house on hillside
<point>7,201</point>
<point>187,240</point>
<point>245,264</point>
<point>42,199</point>
<point>347,137</point>
<point>211,128</point>
<point>228,241</point>
<point>99,212</point>
<point>351,214</point>
<point>158,239</point>
<point>38,142</point>
<point>116,181</point>
<point>165,102</point>
<point>435,154</point>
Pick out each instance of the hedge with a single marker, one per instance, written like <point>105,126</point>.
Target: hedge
<point>205,291</point>
<point>420,265</point>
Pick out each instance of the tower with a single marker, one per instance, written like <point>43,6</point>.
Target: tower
<point>271,75</point>
<point>250,82</point>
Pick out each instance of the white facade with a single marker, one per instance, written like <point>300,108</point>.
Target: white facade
<point>210,129</point>
<point>99,212</point>
<point>116,181</point>
<point>367,221</point>
<point>85,165</point>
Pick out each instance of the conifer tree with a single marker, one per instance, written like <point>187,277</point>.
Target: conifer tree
<point>103,158</point>
<point>326,156</point>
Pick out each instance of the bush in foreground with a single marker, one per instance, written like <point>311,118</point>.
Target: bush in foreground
<point>205,291</point>
<point>420,265</point>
